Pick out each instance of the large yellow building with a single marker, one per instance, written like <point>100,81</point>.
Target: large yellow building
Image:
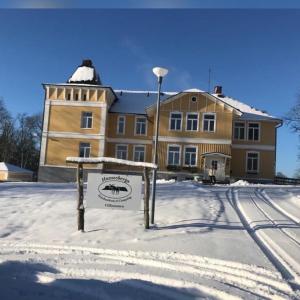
<point>198,131</point>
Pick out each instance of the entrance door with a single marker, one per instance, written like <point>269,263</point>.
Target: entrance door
<point>218,164</point>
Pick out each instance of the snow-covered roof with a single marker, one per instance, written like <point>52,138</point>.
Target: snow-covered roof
<point>12,168</point>
<point>194,90</point>
<point>96,160</point>
<point>135,102</point>
<point>82,74</point>
<point>86,73</point>
<point>249,112</point>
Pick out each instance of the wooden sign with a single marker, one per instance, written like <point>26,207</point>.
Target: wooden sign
<point>114,191</point>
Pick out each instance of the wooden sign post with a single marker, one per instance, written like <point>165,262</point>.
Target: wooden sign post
<point>80,183</point>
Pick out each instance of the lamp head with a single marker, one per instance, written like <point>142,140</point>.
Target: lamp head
<point>160,72</point>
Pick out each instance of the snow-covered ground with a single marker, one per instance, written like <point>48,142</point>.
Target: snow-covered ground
<point>214,242</point>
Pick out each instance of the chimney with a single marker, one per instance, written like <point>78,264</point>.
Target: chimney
<point>218,90</point>
<point>87,63</point>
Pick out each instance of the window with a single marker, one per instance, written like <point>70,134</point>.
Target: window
<point>84,97</point>
<point>76,97</point>
<point>194,98</point>
<point>86,119</point>
<point>174,155</point>
<point>252,162</point>
<point>209,122</point>
<point>139,153</point>
<point>121,125</point>
<point>175,121</point>
<point>140,126</point>
<point>84,149</point>
<point>214,164</point>
<point>121,151</point>
<point>192,121</point>
<point>239,131</point>
<point>190,156</point>
<point>68,96</point>
<point>253,131</point>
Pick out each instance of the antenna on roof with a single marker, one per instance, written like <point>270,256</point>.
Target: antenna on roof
<point>121,93</point>
<point>148,94</point>
<point>209,73</point>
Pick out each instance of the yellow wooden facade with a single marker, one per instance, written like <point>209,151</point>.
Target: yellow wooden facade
<point>63,133</point>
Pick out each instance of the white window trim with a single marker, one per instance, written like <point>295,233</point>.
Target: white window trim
<point>146,126</point>
<point>259,131</point>
<point>82,117</point>
<point>116,150</point>
<point>175,112</point>
<point>86,147</point>
<point>245,133</point>
<point>133,154</point>
<point>190,146</point>
<point>215,127</point>
<point>174,145</point>
<point>258,162</point>
<point>123,133</point>
<point>186,121</point>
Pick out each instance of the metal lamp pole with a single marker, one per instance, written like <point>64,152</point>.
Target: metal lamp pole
<point>160,73</point>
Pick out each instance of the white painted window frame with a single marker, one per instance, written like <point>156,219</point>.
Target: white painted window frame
<point>245,131</point>
<point>118,124</point>
<point>186,121</point>
<point>134,149</point>
<point>90,147</point>
<point>259,131</point>
<point>86,120</point>
<point>196,162</point>
<point>135,126</point>
<point>174,145</point>
<point>116,150</point>
<point>181,120</point>
<point>258,162</point>
<point>215,121</point>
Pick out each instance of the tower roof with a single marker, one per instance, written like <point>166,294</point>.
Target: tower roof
<point>85,73</point>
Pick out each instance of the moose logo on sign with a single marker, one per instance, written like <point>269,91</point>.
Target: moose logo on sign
<point>114,188</point>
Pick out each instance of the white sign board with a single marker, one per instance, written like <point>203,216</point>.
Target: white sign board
<point>114,191</point>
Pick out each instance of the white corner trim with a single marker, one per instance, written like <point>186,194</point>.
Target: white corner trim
<point>74,135</point>
<point>254,147</point>
<point>75,103</point>
<point>129,141</point>
<point>45,133</point>
<point>193,140</point>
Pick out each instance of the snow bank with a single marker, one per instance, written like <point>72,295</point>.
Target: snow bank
<point>240,183</point>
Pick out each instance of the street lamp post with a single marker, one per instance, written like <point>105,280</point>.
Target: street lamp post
<point>160,73</point>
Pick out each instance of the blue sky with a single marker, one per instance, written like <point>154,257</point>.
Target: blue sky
<point>254,54</point>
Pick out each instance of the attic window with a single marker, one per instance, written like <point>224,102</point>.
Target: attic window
<point>194,98</point>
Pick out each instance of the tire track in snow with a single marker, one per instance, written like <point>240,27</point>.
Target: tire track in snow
<point>253,280</point>
<point>271,249</point>
<point>276,206</point>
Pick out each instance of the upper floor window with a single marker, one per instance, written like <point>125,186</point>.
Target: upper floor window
<point>174,155</point>
<point>139,153</point>
<point>175,121</point>
<point>253,131</point>
<point>192,121</point>
<point>140,125</point>
<point>239,131</point>
<point>190,156</point>
<point>84,149</point>
<point>209,122</point>
<point>121,125</point>
<point>86,119</point>
<point>252,162</point>
<point>121,151</point>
